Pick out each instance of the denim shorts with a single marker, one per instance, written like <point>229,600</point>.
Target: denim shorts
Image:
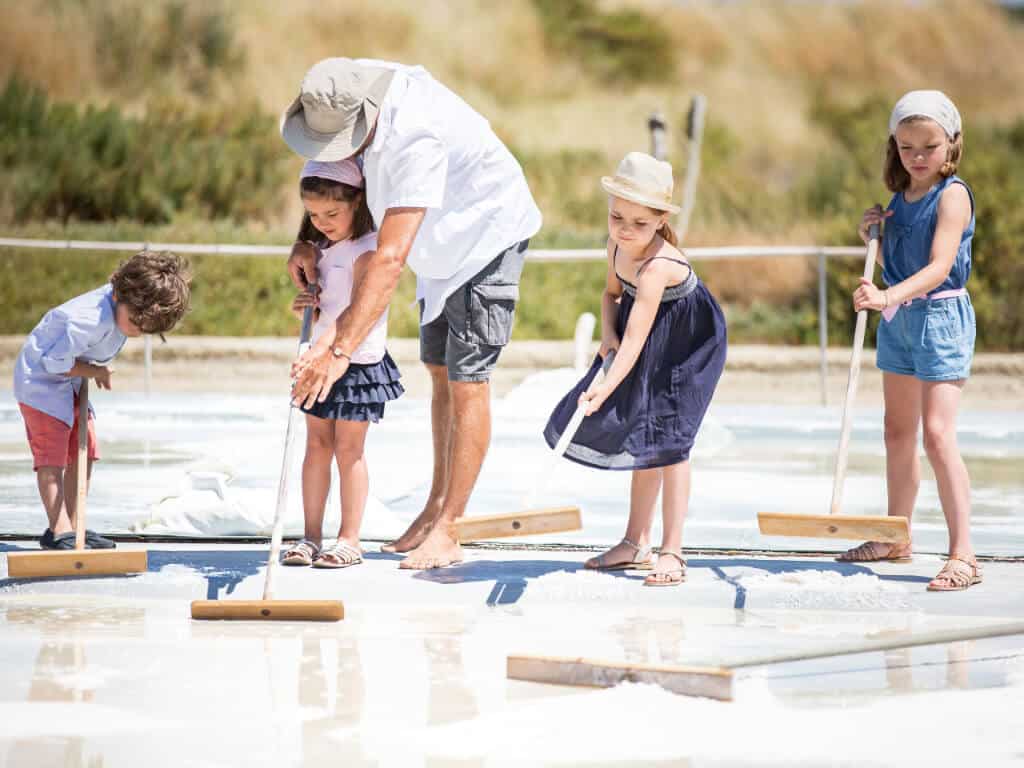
<point>476,322</point>
<point>931,339</point>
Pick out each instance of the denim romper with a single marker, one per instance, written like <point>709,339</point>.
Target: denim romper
<point>931,339</point>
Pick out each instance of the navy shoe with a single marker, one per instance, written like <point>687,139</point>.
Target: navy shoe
<point>94,541</point>
<point>46,540</point>
<point>63,541</point>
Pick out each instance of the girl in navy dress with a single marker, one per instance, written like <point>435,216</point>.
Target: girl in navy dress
<point>338,223</point>
<point>669,336</point>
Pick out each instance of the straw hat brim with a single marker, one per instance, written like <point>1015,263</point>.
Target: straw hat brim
<point>614,187</point>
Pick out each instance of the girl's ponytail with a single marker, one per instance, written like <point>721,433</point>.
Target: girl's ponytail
<point>668,234</point>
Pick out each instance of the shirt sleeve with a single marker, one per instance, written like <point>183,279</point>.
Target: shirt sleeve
<point>417,171</point>
<point>68,345</point>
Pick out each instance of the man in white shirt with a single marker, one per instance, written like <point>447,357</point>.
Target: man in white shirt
<point>450,199</point>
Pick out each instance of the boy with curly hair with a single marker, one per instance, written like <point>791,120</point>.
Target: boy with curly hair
<point>148,294</point>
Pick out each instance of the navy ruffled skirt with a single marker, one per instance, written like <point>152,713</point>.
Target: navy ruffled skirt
<point>361,393</point>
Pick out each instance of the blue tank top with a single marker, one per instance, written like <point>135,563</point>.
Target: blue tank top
<point>907,242</point>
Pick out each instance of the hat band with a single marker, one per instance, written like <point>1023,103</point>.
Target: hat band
<point>632,186</point>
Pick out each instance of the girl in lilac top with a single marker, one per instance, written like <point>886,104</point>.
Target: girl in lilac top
<point>338,222</point>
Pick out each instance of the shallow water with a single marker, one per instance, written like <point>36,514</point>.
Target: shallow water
<point>209,465</point>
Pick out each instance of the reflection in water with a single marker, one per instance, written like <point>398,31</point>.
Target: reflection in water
<point>57,676</point>
<point>332,694</point>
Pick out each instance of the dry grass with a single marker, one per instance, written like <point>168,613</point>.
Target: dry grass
<point>759,64</point>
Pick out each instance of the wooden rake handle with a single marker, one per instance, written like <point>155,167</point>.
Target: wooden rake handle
<point>282,484</point>
<point>567,435</point>
<point>842,454</point>
<point>82,473</point>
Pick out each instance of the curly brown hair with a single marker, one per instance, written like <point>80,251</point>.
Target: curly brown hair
<point>155,286</point>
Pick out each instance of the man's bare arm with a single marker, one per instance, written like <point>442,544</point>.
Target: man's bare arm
<point>372,294</point>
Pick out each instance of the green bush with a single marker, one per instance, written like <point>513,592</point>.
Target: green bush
<point>102,165</point>
<point>170,44</point>
<point>623,45</point>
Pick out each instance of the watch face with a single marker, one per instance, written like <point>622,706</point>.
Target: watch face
<point>336,351</point>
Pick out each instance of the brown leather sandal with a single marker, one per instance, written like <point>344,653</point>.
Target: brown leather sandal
<point>675,576</point>
<point>871,552</point>
<point>641,559</point>
<point>957,574</point>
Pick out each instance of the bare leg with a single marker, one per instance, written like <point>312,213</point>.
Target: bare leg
<point>675,503</point>
<point>470,438</point>
<point>71,490</point>
<point>51,490</point>
<point>941,401</point>
<point>441,428</point>
<point>902,466</point>
<point>316,475</point>
<point>349,442</point>
<point>643,495</point>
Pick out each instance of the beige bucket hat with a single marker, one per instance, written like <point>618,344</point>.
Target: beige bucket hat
<point>642,179</point>
<point>337,106</point>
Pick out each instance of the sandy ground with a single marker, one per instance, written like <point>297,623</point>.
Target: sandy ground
<point>754,374</point>
<point>112,671</point>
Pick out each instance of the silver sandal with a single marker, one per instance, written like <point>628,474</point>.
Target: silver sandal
<point>641,559</point>
<point>340,554</point>
<point>303,552</point>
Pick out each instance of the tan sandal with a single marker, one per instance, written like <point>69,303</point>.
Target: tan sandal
<point>676,576</point>
<point>956,575</point>
<point>341,554</point>
<point>870,552</point>
<point>302,553</point>
<point>641,559</point>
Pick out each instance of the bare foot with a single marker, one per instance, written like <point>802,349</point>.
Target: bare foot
<point>439,549</point>
<point>416,532</point>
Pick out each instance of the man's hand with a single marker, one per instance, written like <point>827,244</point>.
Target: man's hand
<point>314,374</point>
<point>302,265</point>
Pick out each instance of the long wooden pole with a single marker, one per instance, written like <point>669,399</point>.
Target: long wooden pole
<point>568,433</point>
<point>82,474</point>
<point>282,485</point>
<point>842,454</point>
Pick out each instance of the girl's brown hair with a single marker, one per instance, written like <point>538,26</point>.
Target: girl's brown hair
<point>314,186</point>
<point>897,178</point>
<point>667,233</point>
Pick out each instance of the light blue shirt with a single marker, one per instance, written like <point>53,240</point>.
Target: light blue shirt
<point>83,328</point>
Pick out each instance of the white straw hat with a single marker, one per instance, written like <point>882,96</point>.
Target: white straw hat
<point>337,106</point>
<point>642,179</point>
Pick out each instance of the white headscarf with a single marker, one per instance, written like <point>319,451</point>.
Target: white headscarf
<point>935,105</point>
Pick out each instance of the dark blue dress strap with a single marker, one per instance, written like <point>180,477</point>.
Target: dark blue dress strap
<point>666,258</point>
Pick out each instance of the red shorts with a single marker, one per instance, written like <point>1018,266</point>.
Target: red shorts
<point>54,443</point>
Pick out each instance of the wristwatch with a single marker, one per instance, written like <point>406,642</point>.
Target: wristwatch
<point>339,353</point>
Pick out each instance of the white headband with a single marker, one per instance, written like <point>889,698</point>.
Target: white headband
<point>935,105</point>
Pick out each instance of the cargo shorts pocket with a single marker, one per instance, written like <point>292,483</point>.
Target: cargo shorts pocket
<point>492,308</point>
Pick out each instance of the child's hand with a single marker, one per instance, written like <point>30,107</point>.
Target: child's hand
<point>593,399</point>
<point>610,344</point>
<point>303,300</point>
<point>869,296</point>
<point>873,215</point>
<point>102,376</point>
